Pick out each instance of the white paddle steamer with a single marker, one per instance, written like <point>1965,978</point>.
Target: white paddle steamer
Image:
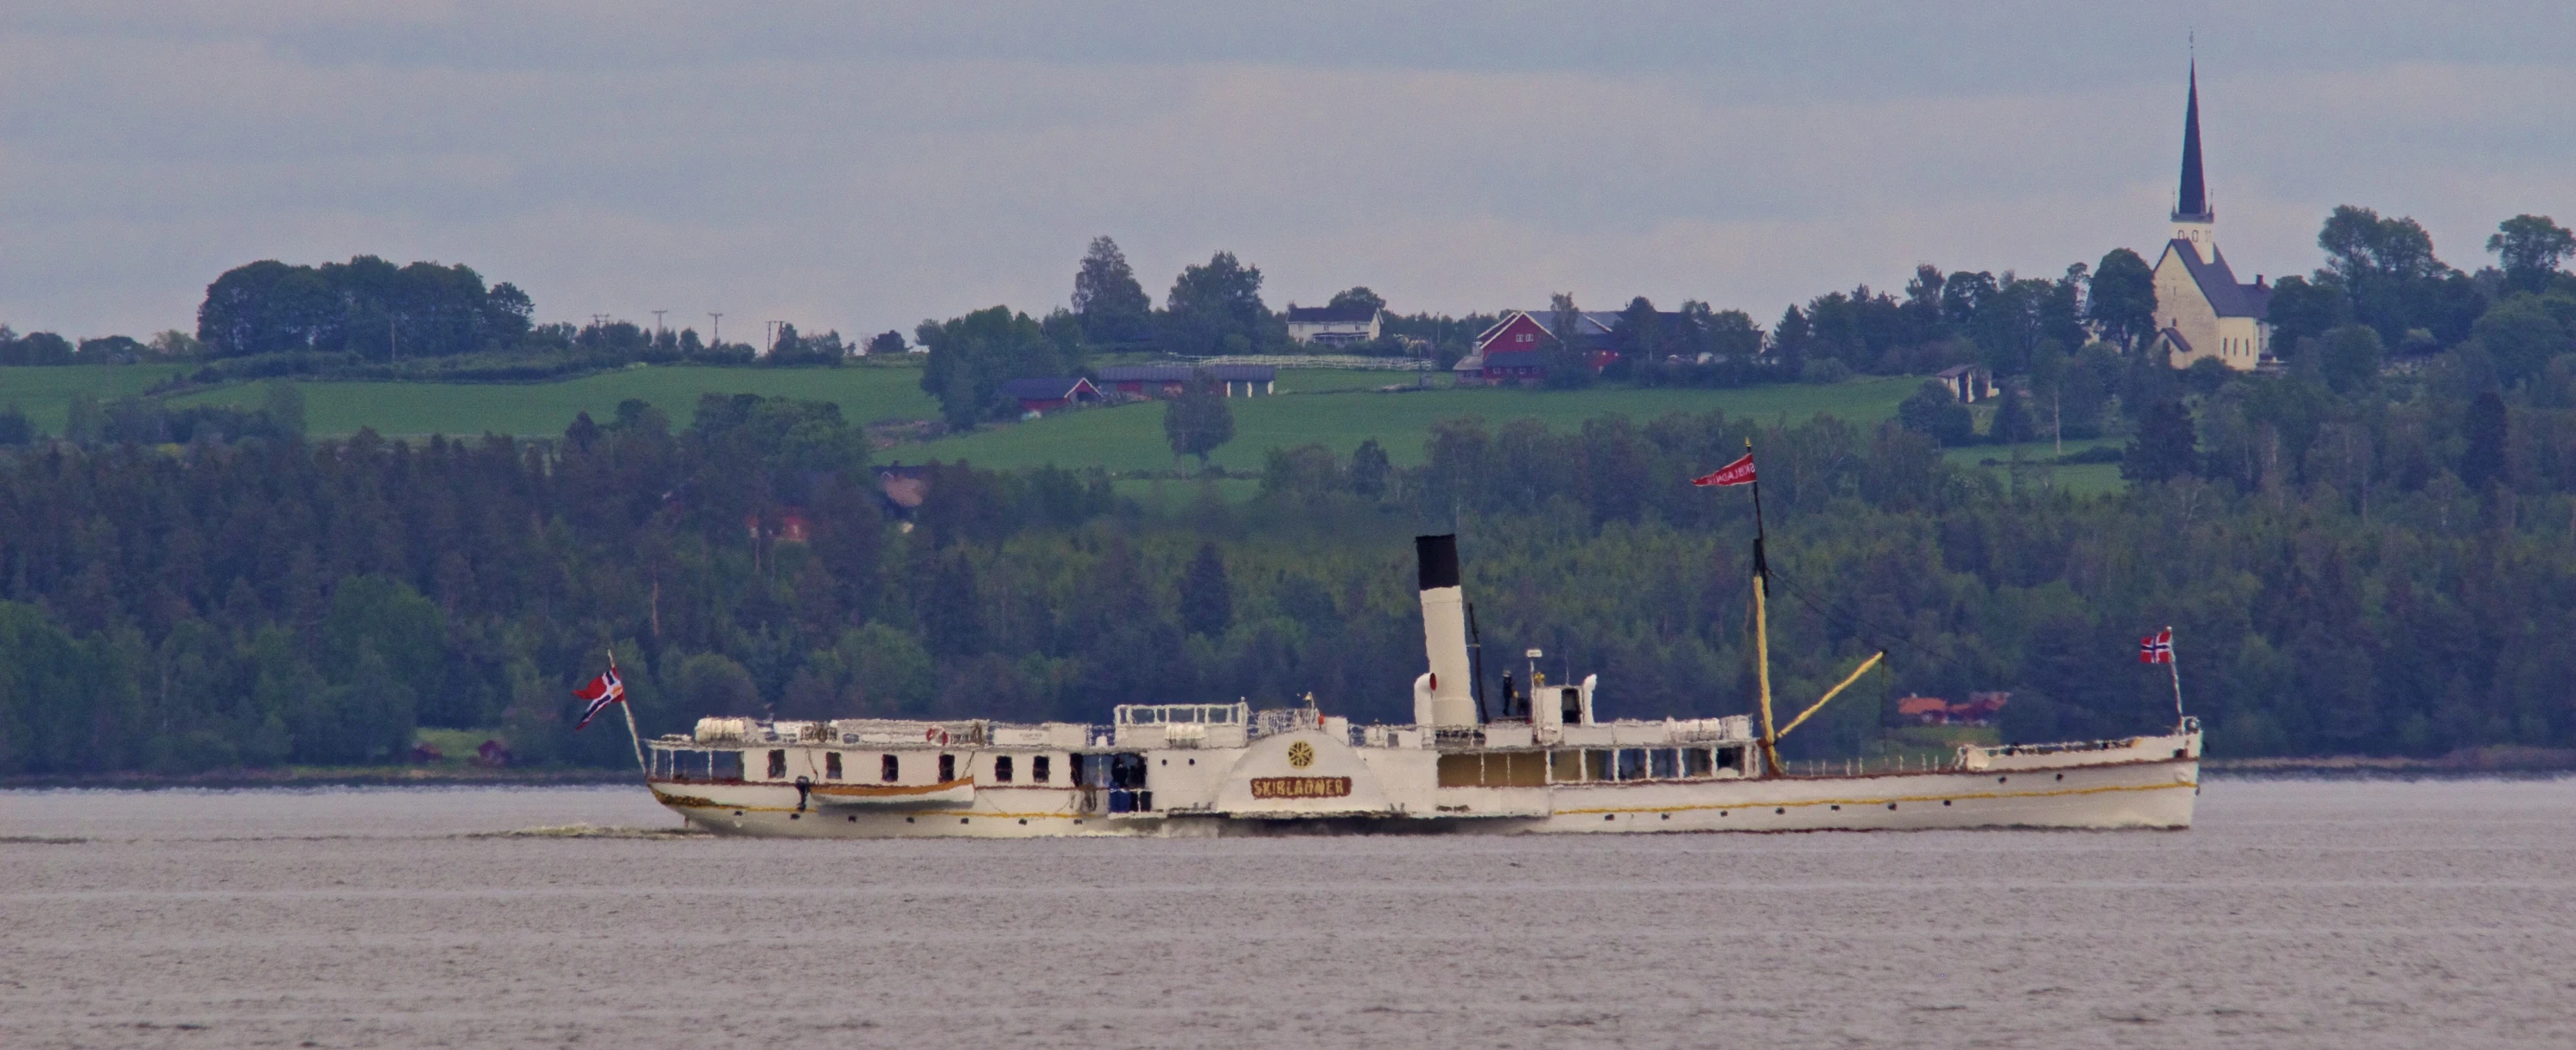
<point>1542,763</point>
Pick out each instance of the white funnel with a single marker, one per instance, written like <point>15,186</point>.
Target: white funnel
<point>1444,632</point>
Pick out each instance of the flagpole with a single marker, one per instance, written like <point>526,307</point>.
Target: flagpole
<point>2173,664</point>
<point>632,733</point>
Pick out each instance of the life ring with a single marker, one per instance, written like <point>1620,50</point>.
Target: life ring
<point>930,734</point>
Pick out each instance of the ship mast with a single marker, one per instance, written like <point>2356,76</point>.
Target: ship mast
<point>1762,628</point>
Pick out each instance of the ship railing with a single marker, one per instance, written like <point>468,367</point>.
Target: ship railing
<point>1277,720</point>
<point>1449,737</point>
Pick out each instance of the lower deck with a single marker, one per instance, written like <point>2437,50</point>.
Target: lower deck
<point>2137,794</point>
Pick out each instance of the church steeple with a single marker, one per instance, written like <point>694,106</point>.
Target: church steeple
<point>2191,204</point>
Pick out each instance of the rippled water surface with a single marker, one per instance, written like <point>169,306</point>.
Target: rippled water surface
<point>2326,914</point>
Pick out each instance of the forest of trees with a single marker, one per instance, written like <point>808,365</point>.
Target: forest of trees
<point>2384,575</point>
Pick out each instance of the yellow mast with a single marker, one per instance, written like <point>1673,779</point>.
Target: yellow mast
<point>1762,671</point>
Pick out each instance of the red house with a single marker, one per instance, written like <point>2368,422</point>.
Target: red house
<point>1038,397</point>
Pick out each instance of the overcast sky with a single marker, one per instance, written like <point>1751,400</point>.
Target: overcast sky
<point>865,170</point>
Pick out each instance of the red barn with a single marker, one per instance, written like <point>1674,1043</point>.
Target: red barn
<point>1514,349</point>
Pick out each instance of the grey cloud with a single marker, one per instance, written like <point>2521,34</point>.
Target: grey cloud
<point>864,170</point>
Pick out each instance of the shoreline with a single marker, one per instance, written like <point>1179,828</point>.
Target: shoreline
<point>325,777</point>
<point>2512,761</point>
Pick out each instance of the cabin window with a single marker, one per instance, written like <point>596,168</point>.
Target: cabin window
<point>1730,758</point>
<point>1565,767</point>
<point>1632,763</point>
<point>777,764</point>
<point>1074,769</point>
<point>1573,706</point>
<point>1664,763</point>
<point>1596,765</point>
<point>1038,770</point>
<point>727,765</point>
<point>947,768</point>
<point>1695,763</point>
<point>832,765</point>
<point>891,769</point>
<point>1001,769</point>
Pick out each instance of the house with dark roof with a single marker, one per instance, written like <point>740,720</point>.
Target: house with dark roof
<point>1147,380</point>
<point>1038,397</point>
<point>1172,380</point>
<point>2202,313</point>
<point>1334,325</point>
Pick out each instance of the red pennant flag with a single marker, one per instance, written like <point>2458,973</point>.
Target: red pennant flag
<point>599,693</point>
<point>1739,472</point>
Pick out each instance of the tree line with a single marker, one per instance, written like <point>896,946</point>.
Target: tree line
<point>2380,574</point>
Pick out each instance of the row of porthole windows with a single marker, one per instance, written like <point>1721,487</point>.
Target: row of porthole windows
<point>692,764</point>
<point>890,767</point>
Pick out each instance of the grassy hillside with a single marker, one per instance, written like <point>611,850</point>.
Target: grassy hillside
<point>1130,437</point>
<point>46,392</point>
<point>864,394</point>
<point>1338,408</point>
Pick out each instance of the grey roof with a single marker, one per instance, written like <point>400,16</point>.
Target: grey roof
<point>1955,371</point>
<point>1515,359</point>
<point>1042,389</point>
<point>1331,314</point>
<point>2218,283</point>
<point>1182,373</point>
<point>1590,322</point>
<point>2175,337</point>
<point>1145,374</point>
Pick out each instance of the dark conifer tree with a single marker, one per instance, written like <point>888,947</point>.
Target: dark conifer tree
<point>2166,446</point>
<point>1207,597</point>
<point>2482,464</point>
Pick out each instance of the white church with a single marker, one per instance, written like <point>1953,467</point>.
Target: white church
<point>2201,312</point>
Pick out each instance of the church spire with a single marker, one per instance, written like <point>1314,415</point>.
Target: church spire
<point>2192,203</point>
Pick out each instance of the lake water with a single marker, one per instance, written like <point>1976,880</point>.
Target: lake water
<point>2297,914</point>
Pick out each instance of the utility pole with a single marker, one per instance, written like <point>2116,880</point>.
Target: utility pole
<point>715,328</point>
<point>657,324</point>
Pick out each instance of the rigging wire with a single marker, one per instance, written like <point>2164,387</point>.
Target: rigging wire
<point>1863,628</point>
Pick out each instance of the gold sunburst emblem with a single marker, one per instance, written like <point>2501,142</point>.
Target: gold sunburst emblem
<point>1301,754</point>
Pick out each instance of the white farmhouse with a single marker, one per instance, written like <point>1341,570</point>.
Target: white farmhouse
<point>1333,325</point>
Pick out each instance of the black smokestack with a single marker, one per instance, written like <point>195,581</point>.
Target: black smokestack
<point>1439,558</point>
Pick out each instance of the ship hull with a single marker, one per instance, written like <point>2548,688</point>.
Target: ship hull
<point>2123,795</point>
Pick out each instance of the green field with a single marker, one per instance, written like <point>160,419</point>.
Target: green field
<point>45,392</point>
<point>864,394</point>
<point>2083,479</point>
<point>1337,408</point>
<point>1130,437</point>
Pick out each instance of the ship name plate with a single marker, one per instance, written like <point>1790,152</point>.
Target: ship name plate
<point>1301,787</point>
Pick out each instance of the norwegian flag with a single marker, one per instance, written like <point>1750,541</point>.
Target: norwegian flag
<point>1739,472</point>
<point>2156,648</point>
<point>601,692</point>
